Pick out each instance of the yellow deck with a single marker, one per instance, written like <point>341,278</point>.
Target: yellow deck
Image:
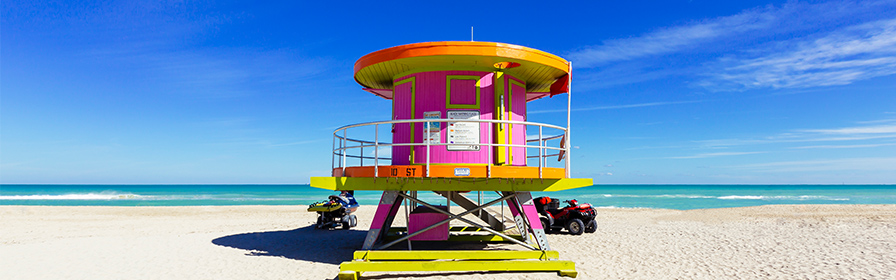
<point>448,184</point>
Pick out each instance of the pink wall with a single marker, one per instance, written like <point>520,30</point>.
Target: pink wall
<point>430,95</point>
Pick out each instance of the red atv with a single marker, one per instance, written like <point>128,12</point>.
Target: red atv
<point>575,218</point>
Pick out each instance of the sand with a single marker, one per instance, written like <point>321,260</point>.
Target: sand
<point>279,242</point>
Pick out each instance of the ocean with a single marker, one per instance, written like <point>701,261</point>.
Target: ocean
<point>681,197</point>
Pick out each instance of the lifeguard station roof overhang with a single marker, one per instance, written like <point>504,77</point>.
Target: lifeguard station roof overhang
<point>543,72</point>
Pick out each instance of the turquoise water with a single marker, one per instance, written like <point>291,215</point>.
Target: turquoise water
<point>681,197</point>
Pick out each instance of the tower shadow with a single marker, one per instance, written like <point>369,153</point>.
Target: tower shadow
<point>306,243</point>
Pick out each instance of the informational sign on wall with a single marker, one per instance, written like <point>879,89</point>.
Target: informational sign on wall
<point>433,135</point>
<point>464,134</point>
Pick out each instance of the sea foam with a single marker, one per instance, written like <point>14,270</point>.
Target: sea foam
<point>78,196</point>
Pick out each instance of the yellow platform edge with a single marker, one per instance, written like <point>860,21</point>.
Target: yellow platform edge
<point>445,184</point>
<point>354,269</point>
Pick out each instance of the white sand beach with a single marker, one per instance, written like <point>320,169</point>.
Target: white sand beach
<point>279,242</point>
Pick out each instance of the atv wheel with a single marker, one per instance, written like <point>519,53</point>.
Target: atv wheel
<point>320,222</point>
<point>353,220</point>
<point>546,225</point>
<point>575,226</point>
<point>591,226</point>
<point>346,221</point>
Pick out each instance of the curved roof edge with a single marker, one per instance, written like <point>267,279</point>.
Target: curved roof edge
<point>371,70</point>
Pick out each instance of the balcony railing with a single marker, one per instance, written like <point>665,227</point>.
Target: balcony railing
<point>345,147</point>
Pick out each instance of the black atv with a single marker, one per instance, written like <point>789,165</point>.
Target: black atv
<point>575,218</point>
<point>335,211</point>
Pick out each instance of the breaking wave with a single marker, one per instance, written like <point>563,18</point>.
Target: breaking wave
<point>731,197</point>
<point>784,197</point>
<point>77,196</point>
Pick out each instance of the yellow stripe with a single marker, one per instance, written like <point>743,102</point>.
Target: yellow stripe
<point>454,184</point>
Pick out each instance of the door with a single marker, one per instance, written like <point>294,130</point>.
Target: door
<point>403,109</point>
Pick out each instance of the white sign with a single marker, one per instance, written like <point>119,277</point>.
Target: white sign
<point>464,133</point>
<point>433,135</point>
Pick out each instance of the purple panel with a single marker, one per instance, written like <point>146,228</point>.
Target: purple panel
<point>419,221</point>
<point>463,92</point>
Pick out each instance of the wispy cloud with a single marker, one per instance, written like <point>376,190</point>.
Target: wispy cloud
<point>891,128</point>
<point>295,143</point>
<point>846,146</point>
<point>670,40</point>
<point>795,45</point>
<point>382,152</point>
<point>216,72</point>
<point>879,121</point>
<point>841,134</point>
<point>266,143</point>
<point>846,164</point>
<point>614,107</point>
<point>842,57</point>
<point>709,155</point>
<point>162,45</point>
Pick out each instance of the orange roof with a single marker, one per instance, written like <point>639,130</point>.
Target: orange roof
<point>539,69</point>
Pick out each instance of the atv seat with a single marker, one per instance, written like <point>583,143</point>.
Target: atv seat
<point>547,206</point>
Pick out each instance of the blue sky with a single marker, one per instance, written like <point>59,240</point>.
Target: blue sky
<point>678,92</point>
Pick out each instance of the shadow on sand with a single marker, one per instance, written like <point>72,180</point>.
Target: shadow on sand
<point>306,243</point>
<point>321,245</point>
<point>327,246</point>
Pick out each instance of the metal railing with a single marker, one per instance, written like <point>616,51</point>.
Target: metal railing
<point>346,144</point>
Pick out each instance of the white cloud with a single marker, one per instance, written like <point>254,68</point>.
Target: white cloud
<point>842,57</point>
<point>794,45</point>
<point>296,143</point>
<point>613,107</point>
<point>846,146</point>
<point>382,152</point>
<point>708,155</point>
<point>852,133</point>
<point>863,164</point>
<point>880,121</point>
<point>670,40</point>
<point>857,130</point>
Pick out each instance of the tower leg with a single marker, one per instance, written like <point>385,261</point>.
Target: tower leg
<point>382,220</point>
<point>526,217</point>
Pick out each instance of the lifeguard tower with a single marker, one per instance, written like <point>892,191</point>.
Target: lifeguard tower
<point>458,128</point>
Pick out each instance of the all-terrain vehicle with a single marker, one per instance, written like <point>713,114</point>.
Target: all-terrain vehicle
<point>575,218</point>
<point>336,211</point>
